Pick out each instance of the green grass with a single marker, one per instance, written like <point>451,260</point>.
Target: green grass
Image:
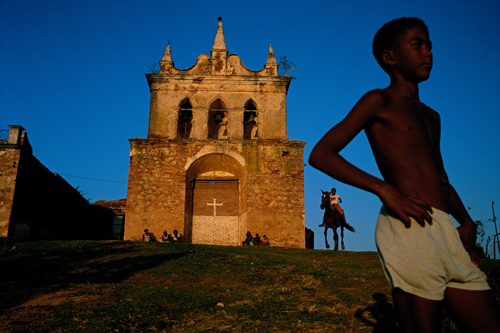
<point>117,286</point>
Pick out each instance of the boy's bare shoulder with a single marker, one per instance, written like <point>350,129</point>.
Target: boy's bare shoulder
<point>377,93</point>
<point>375,99</point>
<point>433,112</point>
<point>370,105</point>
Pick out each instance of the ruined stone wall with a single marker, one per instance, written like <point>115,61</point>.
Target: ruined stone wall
<point>38,204</point>
<point>270,185</point>
<point>45,206</point>
<point>9,164</point>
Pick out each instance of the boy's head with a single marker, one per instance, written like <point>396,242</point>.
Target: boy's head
<point>387,38</point>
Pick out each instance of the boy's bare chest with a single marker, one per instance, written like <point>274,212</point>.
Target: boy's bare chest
<point>410,121</point>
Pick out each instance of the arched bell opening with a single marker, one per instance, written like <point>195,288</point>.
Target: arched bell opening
<point>217,121</point>
<point>250,121</point>
<point>185,120</point>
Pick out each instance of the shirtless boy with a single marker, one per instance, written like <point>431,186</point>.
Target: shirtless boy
<point>429,263</point>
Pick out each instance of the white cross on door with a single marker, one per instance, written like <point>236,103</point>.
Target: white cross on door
<point>215,204</point>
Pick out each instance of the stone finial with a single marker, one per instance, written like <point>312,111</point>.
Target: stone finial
<point>167,56</point>
<point>271,59</point>
<point>219,42</point>
<point>271,66</point>
<point>166,63</point>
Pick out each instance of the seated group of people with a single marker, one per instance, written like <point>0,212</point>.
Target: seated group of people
<point>250,240</point>
<point>171,238</point>
<point>177,238</point>
<point>165,238</point>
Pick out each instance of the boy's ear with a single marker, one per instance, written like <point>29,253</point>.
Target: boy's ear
<point>388,57</point>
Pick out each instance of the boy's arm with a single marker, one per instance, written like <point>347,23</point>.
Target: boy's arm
<point>467,229</point>
<point>325,157</point>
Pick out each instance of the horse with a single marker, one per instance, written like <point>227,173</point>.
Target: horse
<point>333,219</point>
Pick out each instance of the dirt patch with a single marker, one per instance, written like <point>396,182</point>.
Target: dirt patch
<point>34,310</point>
<point>54,298</point>
<point>21,318</point>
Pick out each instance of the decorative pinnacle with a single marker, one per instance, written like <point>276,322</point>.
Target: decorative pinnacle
<point>271,59</point>
<point>167,56</point>
<point>219,42</point>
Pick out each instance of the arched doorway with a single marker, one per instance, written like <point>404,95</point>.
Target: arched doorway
<point>215,200</point>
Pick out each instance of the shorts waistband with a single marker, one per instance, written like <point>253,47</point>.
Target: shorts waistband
<point>436,213</point>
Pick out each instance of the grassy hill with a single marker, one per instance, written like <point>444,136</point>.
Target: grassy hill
<point>118,286</point>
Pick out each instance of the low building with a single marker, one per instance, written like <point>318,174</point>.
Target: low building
<point>118,209</point>
<point>36,203</point>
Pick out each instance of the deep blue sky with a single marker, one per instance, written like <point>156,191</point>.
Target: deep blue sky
<point>72,74</point>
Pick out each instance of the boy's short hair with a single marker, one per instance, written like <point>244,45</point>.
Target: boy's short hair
<point>387,38</point>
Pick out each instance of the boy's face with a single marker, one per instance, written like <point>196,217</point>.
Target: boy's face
<point>413,58</point>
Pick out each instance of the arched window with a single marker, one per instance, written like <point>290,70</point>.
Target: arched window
<point>185,120</point>
<point>250,122</point>
<point>217,121</point>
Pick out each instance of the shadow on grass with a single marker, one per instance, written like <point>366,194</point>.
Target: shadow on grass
<point>383,314</point>
<point>30,269</point>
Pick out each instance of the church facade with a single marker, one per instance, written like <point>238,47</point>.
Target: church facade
<point>217,161</point>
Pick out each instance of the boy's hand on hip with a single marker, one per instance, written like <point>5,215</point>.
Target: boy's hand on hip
<point>405,206</point>
<point>468,234</point>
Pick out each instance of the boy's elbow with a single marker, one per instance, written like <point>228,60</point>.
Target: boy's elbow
<point>312,161</point>
<point>314,158</point>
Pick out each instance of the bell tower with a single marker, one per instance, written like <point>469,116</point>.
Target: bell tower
<point>217,161</point>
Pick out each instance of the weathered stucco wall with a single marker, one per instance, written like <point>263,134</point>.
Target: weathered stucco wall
<point>267,93</point>
<point>270,175</point>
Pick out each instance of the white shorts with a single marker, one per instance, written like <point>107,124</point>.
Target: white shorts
<point>424,261</point>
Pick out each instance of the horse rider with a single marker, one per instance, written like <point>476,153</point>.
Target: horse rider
<point>334,204</point>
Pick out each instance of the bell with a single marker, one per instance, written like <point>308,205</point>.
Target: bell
<point>251,118</point>
<point>185,116</point>
<point>218,118</point>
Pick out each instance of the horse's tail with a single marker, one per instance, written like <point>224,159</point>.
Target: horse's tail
<point>349,227</point>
